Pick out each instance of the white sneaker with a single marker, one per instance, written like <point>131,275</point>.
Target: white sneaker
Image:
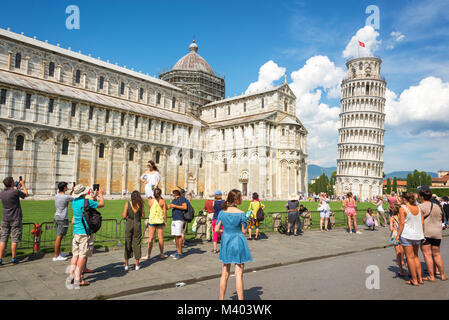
<point>137,268</point>
<point>173,255</point>
<point>358,232</point>
<point>144,258</point>
<point>63,255</point>
<point>126,268</point>
<point>59,258</point>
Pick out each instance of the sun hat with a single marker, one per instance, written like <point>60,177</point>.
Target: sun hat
<point>293,197</point>
<point>176,189</point>
<point>423,188</point>
<point>80,191</point>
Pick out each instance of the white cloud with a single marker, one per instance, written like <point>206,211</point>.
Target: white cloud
<point>421,108</point>
<point>368,36</point>
<point>319,75</point>
<point>268,73</point>
<point>398,36</point>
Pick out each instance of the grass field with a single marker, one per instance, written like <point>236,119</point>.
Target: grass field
<point>42,211</point>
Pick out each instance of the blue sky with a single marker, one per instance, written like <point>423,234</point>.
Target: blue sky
<point>238,37</point>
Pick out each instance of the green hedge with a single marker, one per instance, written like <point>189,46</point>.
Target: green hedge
<point>440,192</point>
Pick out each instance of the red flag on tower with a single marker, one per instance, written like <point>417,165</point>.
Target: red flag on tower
<point>361,44</point>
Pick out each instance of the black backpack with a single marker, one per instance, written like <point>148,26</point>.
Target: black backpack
<point>92,217</point>
<point>260,214</point>
<point>189,213</point>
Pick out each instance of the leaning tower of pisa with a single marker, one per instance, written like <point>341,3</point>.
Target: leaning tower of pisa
<point>361,132</point>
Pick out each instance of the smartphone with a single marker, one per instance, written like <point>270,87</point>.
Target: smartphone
<point>96,187</point>
<point>20,178</point>
<point>74,184</point>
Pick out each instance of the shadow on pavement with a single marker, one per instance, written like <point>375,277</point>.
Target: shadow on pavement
<point>112,270</point>
<point>253,293</point>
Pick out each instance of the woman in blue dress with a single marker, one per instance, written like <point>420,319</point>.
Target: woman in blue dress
<point>234,247</point>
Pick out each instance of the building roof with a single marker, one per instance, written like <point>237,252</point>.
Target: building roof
<point>68,92</point>
<point>193,61</point>
<point>442,179</point>
<point>399,183</point>
<point>241,120</point>
<point>79,56</point>
<point>242,96</point>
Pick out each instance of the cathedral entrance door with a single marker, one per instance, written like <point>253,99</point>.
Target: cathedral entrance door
<point>245,188</point>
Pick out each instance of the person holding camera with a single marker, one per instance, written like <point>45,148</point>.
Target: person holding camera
<point>61,220</point>
<point>82,244</point>
<point>12,216</point>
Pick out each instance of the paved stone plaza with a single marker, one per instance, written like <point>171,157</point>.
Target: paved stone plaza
<point>43,279</point>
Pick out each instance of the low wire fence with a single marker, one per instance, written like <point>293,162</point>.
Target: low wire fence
<point>112,231</point>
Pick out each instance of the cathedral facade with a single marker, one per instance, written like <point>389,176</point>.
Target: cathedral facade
<point>66,116</point>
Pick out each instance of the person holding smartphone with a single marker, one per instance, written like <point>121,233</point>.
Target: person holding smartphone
<point>61,219</point>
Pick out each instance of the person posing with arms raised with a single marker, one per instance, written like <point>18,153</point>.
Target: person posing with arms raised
<point>157,221</point>
<point>178,206</point>
<point>410,233</point>
<point>433,234</point>
<point>12,216</point>
<point>133,212</point>
<point>61,218</point>
<point>83,239</point>
<point>234,247</point>
<point>151,178</point>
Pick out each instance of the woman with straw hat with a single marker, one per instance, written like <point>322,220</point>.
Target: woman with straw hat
<point>293,214</point>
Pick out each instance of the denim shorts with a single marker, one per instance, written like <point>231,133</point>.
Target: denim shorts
<point>409,243</point>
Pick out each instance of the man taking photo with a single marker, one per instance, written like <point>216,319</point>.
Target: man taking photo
<point>12,216</point>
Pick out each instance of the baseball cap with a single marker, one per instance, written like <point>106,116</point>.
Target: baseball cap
<point>218,193</point>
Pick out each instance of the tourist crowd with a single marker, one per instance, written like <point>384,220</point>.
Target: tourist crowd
<point>416,222</point>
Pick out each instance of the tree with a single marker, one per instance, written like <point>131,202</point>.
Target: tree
<point>333,178</point>
<point>395,185</point>
<point>416,179</point>
<point>410,182</point>
<point>388,189</point>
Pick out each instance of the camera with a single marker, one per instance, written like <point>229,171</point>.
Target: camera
<point>96,187</point>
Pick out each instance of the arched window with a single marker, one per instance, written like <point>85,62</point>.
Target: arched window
<point>215,113</point>
<point>158,156</point>
<point>65,146</point>
<point>158,101</point>
<point>225,162</point>
<point>131,154</point>
<point>244,107</point>
<point>101,151</point>
<point>101,84</point>
<point>263,103</point>
<point>285,106</point>
<point>19,143</point>
<point>229,110</point>
<point>122,88</point>
<point>201,162</point>
<point>180,159</point>
<point>173,103</point>
<point>51,69</point>
<point>141,93</point>
<point>18,60</point>
<point>77,76</point>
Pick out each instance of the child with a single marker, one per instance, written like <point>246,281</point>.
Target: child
<point>394,226</point>
<point>370,220</point>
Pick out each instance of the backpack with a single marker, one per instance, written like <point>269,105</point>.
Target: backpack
<point>189,213</point>
<point>260,214</point>
<point>92,217</point>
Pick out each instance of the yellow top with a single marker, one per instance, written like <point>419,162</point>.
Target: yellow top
<point>156,213</point>
<point>255,207</point>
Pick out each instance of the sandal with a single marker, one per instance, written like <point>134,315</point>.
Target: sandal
<point>444,279</point>
<point>410,283</point>
<point>428,279</point>
<point>214,251</point>
<point>88,271</point>
<point>84,283</point>
<point>163,256</point>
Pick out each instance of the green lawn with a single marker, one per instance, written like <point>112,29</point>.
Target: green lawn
<point>112,231</point>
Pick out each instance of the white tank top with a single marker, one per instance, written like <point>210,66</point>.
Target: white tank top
<point>413,225</point>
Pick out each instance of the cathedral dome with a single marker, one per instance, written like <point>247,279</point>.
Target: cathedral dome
<point>193,61</point>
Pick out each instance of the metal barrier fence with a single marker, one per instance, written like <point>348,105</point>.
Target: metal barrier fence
<point>112,232</point>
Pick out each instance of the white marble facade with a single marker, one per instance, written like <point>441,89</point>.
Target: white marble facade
<point>65,116</point>
<point>362,129</point>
